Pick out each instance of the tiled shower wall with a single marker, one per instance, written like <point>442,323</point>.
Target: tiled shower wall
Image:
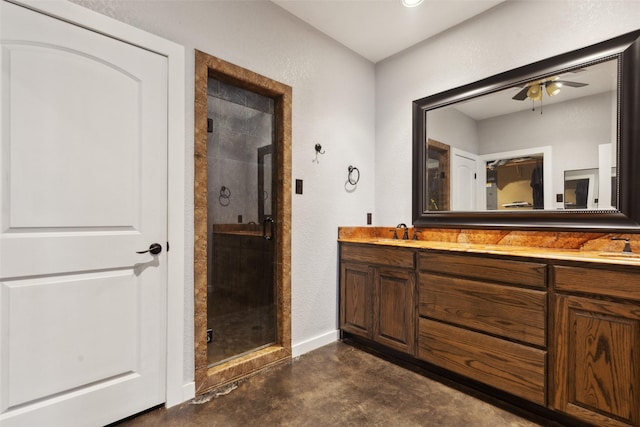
<point>242,123</point>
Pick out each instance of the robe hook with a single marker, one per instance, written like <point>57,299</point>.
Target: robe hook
<point>318,151</point>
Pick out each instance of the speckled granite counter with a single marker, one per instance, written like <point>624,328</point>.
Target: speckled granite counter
<point>569,246</point>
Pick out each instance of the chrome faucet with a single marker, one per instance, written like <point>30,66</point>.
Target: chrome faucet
<point>627,244</point>
<point>405,233</point>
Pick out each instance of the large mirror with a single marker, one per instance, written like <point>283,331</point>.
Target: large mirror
<point>552,144</point>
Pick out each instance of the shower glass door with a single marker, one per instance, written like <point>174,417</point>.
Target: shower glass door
<point>241,311</point>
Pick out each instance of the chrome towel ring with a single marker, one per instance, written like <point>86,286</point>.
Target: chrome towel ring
<point>354,175</point>
<point>225,196</point>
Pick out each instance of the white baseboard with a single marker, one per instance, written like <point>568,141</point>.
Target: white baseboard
<point>313,343</point>
<point>188,393</point>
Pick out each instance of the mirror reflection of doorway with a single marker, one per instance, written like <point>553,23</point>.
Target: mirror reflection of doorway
<point>437,176</point>
<point>581,189</point>
<point>576,193</point>
<point>515,183</point>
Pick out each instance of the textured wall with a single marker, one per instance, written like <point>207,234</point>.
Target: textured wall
<point>333,104</point>
<point>510,35</point>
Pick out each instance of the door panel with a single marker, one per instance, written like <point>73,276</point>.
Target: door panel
<point>356,299</point>
<point>394,309</point>
<point>53,177</point>
<point>83,161</point>
<point>596,362</point>
<point>463,181</point>
<point>63,323</point>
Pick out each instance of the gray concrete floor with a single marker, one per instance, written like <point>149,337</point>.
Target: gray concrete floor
<point>336,385</point>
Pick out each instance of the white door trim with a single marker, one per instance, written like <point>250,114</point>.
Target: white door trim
<point>179,389</point>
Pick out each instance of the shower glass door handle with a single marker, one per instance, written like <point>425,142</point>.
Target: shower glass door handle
<point>268,220</point>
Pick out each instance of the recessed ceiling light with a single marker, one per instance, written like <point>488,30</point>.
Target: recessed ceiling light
<point>411,3</point>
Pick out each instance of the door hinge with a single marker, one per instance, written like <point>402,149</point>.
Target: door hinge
<point>475,176</point>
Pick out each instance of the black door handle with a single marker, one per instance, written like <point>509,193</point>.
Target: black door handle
<point>266,236</point>
<point>154,249</point>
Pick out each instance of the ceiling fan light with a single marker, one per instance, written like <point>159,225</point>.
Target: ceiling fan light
<point>411,3</point>
<point>534,93</point>
<point>553,88</point>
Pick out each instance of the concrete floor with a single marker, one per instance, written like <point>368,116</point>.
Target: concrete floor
<point>336,385</point>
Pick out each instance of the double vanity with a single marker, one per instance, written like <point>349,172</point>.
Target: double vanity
<point>547,318</point>
<point>516,287</point>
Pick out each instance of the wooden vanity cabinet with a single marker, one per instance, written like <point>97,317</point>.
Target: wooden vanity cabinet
<point>377,294</point>
<point>596,345</point>
<point>485,318</point>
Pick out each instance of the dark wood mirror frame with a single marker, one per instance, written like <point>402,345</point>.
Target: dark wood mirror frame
<point>626,49</point>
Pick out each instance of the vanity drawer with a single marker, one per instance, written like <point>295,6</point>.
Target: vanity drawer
<point>506,311</point>
<point>379,255</point>
<point>508,366</point>
<point>490,269</point>
<point>622,284</point>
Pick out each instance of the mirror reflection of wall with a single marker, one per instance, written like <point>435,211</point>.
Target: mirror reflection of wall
<point>578,123</point>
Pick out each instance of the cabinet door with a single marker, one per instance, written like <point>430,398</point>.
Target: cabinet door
<point>394,309</point>
<point>356,289</point>
<point>597,361</point>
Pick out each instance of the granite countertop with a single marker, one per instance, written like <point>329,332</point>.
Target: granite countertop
<point>586,253</point>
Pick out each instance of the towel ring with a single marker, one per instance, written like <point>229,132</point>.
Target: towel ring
<point>353,180</point>
<point>225,196</point>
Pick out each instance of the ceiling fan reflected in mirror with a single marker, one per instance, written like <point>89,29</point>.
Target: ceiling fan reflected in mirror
<point>551,85</point>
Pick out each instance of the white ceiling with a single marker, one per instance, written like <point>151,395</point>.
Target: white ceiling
<point>377,29</point>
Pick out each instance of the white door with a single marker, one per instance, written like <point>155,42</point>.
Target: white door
<point>83,167</point>
<point>463,182</point>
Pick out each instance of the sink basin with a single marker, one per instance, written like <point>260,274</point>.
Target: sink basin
<point>620,255</point>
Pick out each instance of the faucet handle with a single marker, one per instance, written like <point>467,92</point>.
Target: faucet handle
<point>415,233</point>
<point>395,233</point>
<point>627,244</point>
